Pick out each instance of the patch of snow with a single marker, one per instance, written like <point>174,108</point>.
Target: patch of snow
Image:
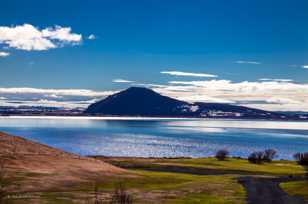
<point>194,108</point>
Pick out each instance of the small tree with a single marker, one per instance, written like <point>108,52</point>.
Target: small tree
<point>256,157</point>
<point>221,154</point>
<point>269,155</point>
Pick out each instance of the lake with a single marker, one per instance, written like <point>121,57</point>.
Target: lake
<point>160,137</point>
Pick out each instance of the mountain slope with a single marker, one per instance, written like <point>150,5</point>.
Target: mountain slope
<point>137,101</point>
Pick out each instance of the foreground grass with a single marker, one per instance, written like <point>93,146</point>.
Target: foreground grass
<point>166,187</point>
<point>213,190</point>
<point>202,198</point>
<point>164,184</point>
<point>150,187</point>
<point>296,188</point>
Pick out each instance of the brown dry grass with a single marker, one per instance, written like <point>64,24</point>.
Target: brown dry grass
<point>34,166</point>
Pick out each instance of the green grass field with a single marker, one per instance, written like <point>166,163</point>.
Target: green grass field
<point>296,188</point>
<point>230,165</point>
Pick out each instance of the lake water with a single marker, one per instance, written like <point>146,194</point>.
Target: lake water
<point>145,137</point>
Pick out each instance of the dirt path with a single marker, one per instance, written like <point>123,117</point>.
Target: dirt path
<point>267,191</point>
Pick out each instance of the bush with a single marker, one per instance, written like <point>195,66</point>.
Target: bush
<point>256,157</point>
<point>269,155</point>
<point>301,158</point>
<point>121,196</point>
<point>221,154</point>
<point>265,156</point>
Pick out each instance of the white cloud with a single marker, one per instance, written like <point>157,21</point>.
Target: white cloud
<point>91,37</point>
<point>4,54</point>
<point>247,62</point>
<point>279,80</point>
<point>179,73</point>
<point>305,66</point>
<point>61,33</point>
<point>27,37</point>
<point>122,81</point>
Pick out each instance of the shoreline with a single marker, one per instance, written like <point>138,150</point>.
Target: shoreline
<point>148,118</point>
<point>197,123</point>
<point>173,158</point>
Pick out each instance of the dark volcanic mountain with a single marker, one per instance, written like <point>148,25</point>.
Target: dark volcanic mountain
<point>137,101</point>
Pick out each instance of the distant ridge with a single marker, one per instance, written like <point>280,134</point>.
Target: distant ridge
<point>140,101</point>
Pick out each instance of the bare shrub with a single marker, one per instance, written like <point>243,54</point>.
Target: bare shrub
<point>301,158</point>
<point>262,156</point>
<point>221,154</point>
<point>269,155</point>
<point>121,196</point>
<point>97,199</point>
<point>256,157</point>
<point>3,181</point>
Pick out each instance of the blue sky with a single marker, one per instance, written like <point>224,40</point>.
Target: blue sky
<point>236,40</point>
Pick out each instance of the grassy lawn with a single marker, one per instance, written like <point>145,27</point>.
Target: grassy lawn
<point>296,188</point>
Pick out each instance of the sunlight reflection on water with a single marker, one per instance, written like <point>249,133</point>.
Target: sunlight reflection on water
<point>147,137</point>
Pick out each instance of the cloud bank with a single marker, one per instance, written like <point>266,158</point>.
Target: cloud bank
<point>27,37</point>
<point>268,95</point>
<point>66,98</point>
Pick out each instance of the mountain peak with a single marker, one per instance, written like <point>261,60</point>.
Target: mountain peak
<point>137,101</point>
<point>133,88</point>
<point>138,89</point>
<point>135,93</point>
<point>141,101</point>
